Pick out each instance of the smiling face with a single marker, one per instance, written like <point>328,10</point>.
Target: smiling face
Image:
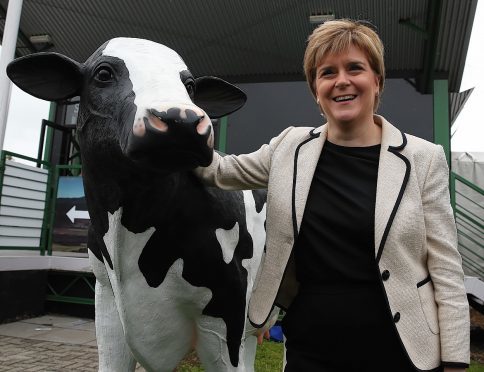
<point>346,87</point>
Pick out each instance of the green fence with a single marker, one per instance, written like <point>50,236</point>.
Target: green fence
<point>468,203</point>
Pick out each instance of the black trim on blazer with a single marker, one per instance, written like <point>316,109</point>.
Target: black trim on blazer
<point>395,150</point>
<point>294,222</point>
<point>425,281</point>
<point>264,322</point>
<point>273,305</point>
<point>296,154</point>
<point>455,364</point>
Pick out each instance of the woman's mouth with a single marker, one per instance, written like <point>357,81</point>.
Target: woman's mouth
<point>348,97</point>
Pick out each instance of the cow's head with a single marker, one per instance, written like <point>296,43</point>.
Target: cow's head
<point>138,99</point>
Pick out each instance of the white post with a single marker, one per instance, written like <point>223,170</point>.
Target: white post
<point>9,44</point>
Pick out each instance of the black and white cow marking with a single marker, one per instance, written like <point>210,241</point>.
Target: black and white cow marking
<point>175,261</point>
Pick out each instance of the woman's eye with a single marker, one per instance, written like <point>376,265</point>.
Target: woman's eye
<point>325,72</point>
<point>104,75</point>
<point>355,67</point>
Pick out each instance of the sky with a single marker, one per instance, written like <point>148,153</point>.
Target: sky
<point>26,112</point>
<point>469,125</point>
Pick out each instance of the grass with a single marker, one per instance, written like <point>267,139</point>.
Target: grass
<point>268,359</point>
<point>476,367</point>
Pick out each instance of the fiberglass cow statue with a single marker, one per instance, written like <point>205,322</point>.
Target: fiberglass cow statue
<point>175,261</point>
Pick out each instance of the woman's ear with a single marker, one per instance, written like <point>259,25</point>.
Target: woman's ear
<point>377,82</point>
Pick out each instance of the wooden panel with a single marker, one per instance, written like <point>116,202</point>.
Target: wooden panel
<point>26,174</point>
<point>23,232</point>
<point>26,184</point>
<point>21,222</point>
<point>19,212</point>
<point>22,193</point>
<point>6,241</point>
<point>23,203</point>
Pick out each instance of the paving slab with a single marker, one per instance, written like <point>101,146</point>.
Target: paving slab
<point>28,355</point>
<point>87,326</point>
<point>59,321</point>
<point>49,343</point>
<point>66,335</point>
<point>17,354</point>
<point>22,329</point>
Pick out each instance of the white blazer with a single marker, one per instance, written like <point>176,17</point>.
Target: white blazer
<point>415,234</point>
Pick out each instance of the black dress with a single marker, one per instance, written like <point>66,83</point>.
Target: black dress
<point>340,321</point>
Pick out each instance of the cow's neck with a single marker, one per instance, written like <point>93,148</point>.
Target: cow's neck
<point>145,197</point>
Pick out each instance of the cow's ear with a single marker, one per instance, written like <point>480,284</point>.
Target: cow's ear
<point>217,97</point>
<point>49,76</point>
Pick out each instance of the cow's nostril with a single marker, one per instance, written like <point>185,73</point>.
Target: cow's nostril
<point>176,116</point>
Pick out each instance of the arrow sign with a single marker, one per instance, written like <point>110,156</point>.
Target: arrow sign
<point>80,215</point>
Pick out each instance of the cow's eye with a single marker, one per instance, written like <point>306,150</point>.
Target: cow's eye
<point>190,86</point>
<point>104,74</point>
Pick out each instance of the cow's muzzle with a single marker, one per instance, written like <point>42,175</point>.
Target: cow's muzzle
<point>182,131</point>
<point>175,116</point>
<point>173,119</point>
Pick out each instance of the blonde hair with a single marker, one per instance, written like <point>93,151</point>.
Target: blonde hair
<point>334,37</point>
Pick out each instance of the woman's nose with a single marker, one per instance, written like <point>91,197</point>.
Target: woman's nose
<point>342,80</point>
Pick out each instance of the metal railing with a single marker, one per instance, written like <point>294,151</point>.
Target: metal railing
<point>468,203</point>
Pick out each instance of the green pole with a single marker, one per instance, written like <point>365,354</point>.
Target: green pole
<point>442,116</point>
<point>222,135</point>
<point>50,198</point>
<point>49,134</point>
<point>49,210</point>
<point>452,191</point>
<point>3,159</point>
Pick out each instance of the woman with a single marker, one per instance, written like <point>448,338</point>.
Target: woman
<point>361,241</point>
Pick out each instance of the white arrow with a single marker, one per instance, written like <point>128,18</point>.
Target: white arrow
<point>73,214</point>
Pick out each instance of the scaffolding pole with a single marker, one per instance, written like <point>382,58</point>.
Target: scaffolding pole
<point>9,44</point>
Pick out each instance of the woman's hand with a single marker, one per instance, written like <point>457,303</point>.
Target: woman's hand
<point>261,335</point>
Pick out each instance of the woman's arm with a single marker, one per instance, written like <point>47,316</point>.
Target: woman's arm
<point>246,171</point>
<point>445,264</point>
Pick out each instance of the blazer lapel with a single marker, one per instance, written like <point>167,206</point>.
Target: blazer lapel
<point>393,173</point>
<point>305,160</point>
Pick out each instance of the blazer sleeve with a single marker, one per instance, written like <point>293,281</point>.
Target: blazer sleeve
<point>238,172</point>
<point>445,264</point>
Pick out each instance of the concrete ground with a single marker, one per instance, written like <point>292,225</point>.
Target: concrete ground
<point>49,343</point>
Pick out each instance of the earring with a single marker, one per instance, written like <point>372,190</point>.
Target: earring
<point>317,101</point>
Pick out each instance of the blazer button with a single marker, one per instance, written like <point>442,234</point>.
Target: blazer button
<point>396,317</point>
<point>385,275</point>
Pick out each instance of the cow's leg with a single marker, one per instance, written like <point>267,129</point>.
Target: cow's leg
<point>159,321</point>
<point>250,344</point>
<point>250,348</point>
<point>114,353</point>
